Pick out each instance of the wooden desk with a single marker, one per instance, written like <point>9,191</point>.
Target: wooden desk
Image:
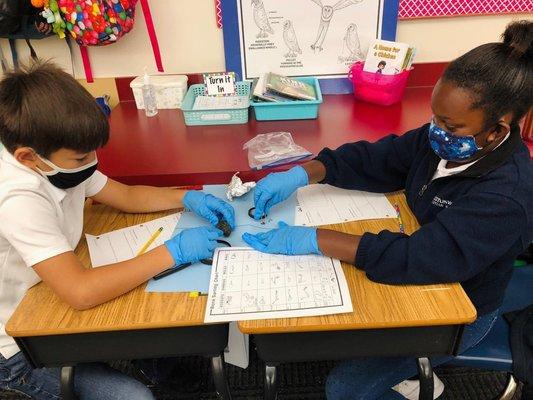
<point>135,325</point>
<point>387,320</point>
<point>404,320</point>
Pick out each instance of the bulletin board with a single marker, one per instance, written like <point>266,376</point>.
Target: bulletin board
<point>321,38</point>
<point>451,8</point>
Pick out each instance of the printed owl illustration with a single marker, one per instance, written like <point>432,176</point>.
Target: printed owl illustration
<point>351,42</point>
<point>325,18</point>
<point>261,19</point>
<point>290,39</point>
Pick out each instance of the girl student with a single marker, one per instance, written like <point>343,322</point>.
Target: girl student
<point>468,178</point>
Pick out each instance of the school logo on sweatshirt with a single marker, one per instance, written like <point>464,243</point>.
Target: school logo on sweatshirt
<point>442,203</point>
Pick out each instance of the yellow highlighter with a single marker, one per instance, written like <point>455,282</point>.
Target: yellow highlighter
<point>150,241</point>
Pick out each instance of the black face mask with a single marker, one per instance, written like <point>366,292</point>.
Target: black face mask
<point>68,178</point>
<point>64,180</point>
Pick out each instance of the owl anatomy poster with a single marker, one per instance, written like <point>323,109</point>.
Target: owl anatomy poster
<point>321,38</point>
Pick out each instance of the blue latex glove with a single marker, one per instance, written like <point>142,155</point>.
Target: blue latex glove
<point>276,187</point>
<point>194,244</point>
<point>209,207</point>
<point>288,240</point>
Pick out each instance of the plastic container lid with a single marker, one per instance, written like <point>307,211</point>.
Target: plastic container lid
<point>161,81</point>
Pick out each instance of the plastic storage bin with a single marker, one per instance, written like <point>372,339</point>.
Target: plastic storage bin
<point>298,109</point>
<point>169,90</point>
<point>377,88</point>
<point>214,117</point>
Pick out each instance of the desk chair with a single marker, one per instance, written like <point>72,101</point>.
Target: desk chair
<point>494,351</point>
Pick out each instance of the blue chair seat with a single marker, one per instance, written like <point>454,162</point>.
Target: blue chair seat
<point>494,351</point>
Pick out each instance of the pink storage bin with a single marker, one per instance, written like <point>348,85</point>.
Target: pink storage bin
<point>377,88</point>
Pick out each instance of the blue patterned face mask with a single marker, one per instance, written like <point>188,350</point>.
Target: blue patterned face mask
<point>451,147</point>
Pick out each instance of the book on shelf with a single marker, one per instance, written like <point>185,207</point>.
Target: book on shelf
<point>278,88</point>
<point>290,87</point>
<point>260,92</point>
<point>388,58</point>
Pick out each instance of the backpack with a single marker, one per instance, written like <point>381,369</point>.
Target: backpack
<point>521,338</point>
<point>9,16</point>
<point>97,23</point>
<point>18,20</point>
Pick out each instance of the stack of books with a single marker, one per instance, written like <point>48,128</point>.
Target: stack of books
<point>389,58</point>
<point>276,88</point>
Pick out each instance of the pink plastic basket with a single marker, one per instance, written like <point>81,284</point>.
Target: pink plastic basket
<point>377,88</point>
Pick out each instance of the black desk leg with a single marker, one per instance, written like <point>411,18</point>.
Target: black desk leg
<point>271,383</point>
<point>425,376</point>
<point>67,383</point>
<point>219,376</point>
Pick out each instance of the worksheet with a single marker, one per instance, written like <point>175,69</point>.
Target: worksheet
<point>325,204</point>
<point>196,277</point>
<point>124,244</point>
<point>246,284</point>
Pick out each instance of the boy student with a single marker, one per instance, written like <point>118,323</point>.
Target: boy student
<point>468,178</point>
<point>50,127</point>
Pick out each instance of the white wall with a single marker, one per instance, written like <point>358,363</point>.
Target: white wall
<point>443,39</point>
<point>191,42</point>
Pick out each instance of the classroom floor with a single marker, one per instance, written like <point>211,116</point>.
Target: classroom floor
<point>303,381</point>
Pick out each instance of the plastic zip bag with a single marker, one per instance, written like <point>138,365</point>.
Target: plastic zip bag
<point>274,148</point>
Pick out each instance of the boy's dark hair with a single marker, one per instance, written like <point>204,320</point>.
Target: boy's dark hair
<point>382,63</point>
<point>499,75</point>
<point>45,108</point>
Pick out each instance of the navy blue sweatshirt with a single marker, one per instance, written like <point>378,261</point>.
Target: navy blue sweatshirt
<point>473,224</point>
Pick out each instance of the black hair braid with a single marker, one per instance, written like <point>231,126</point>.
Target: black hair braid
<point>499,75</point>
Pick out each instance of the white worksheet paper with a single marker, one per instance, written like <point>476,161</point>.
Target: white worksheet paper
<point>124,244</point>
<point>246,285</point>
<point>325,204</point>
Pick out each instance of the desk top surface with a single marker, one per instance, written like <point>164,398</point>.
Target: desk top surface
<point>375,306</point>
<point>41,312</point>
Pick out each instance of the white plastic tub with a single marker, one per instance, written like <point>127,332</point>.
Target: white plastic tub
<point>169,90</point>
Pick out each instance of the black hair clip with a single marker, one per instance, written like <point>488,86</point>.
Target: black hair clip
<point>251,215</point>
<point>171,271</point>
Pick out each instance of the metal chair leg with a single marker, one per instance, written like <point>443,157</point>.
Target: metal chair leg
<point>67,383</point>
<point>219,376</point>
<point>510,388</point>
<point>271,383</point>
<point>425,376</point>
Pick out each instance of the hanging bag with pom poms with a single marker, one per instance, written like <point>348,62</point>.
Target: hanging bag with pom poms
<point>97,23</point>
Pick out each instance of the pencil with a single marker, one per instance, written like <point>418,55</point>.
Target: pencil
<point>399,218</point>
<point>150,241</point>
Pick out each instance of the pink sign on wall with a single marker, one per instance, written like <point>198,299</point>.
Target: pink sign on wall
<point>451,8</point>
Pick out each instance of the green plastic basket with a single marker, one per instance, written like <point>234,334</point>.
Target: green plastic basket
<point>214,117</point>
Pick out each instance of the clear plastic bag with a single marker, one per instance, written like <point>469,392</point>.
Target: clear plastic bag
<point>274,148</point>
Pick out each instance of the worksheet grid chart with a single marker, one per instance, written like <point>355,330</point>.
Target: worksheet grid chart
<point>249,282</point>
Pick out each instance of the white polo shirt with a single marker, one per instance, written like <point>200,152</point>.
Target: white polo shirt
<point>37,221</point>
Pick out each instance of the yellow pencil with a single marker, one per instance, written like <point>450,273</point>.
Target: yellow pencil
<point>150,241</point>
